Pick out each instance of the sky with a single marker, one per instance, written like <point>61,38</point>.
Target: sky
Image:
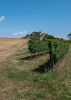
<point>21,17</point>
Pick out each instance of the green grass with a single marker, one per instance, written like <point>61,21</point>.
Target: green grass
<point>18,81</point>
<point>17,75</point>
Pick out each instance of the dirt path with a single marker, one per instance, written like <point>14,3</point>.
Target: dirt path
<point>10,46</point>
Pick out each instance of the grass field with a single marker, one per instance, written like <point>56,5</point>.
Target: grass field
<point>22,78</point>
<point>9,46</point>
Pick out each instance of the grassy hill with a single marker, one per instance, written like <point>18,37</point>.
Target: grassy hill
<point>22,78</point>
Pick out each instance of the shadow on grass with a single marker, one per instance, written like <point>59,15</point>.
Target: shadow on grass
<point>43,68</point>
<point>33,56</point>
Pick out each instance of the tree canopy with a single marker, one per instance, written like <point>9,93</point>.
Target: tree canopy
<point>69,35</point>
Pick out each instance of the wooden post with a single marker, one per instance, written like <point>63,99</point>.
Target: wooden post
<point>51,55</point>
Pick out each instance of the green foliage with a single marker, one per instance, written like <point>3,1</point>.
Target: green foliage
<point>36,46</point>
<point>69,35</point>
<point>48,37</point>
<point>59,48</point>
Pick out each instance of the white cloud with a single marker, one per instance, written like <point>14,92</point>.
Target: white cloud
<point>2,18</point>
<point>20,33</point>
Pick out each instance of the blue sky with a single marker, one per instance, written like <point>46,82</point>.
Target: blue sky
<point>21,17</point>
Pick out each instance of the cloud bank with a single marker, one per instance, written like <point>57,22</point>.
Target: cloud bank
<point>20,33</point>
<point>2,18</point>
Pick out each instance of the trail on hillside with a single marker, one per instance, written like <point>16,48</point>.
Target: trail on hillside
<point>10,46</point>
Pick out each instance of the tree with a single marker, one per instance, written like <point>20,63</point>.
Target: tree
<point>69,35</point>
<point>49,36</point>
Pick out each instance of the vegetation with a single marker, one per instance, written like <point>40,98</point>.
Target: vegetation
<point>59,48</point>
<point>47,36</point>
<point>36,46</point>
<point>23,79</point>
<point>69,35</point>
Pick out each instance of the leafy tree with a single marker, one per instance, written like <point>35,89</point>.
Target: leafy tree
<point>69,35</point>
<point>49,36</point>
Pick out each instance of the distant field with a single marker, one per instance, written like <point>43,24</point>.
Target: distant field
<point>9,46</point>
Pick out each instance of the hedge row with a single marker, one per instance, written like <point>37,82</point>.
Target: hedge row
<point>36,46</point>
<point>59,48</point>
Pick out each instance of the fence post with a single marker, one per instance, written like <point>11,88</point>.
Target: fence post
<point>51,55</point>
